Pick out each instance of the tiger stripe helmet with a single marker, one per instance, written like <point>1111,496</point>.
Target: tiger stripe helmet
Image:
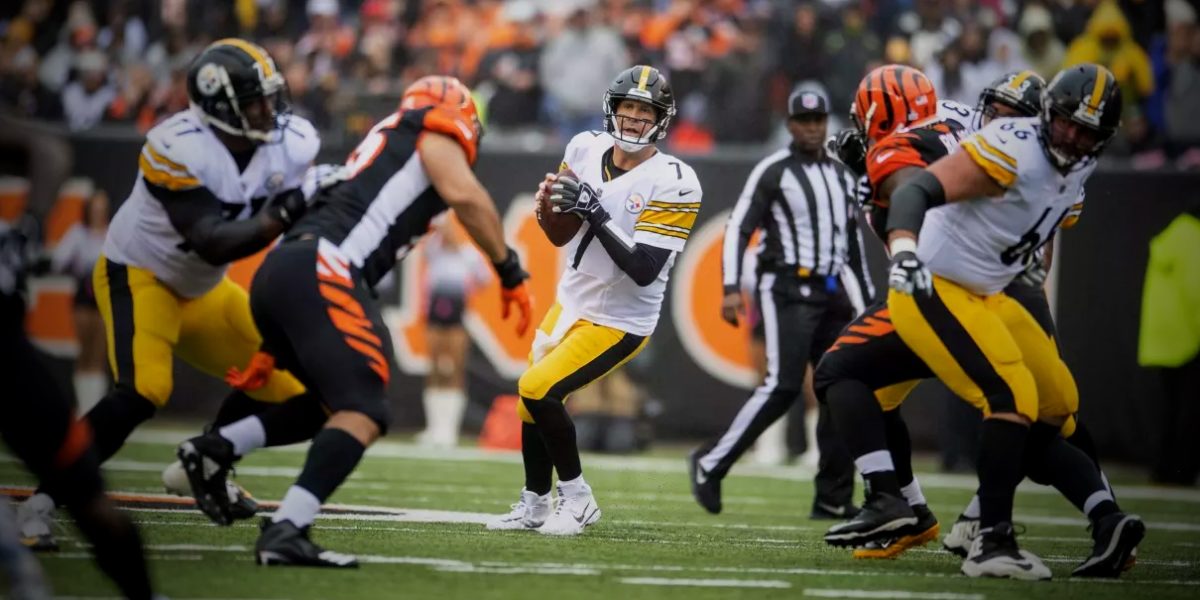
<point>456,112</point>
<point>891,97</point>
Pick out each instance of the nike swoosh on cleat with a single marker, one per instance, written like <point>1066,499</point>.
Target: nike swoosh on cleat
<point>583,514</point>
<point>839,510</point>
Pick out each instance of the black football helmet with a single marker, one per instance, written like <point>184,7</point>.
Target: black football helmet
<point>644,84</point>
<point>1018,90</point>
<point>1088,97</point>
<point>235,87</point>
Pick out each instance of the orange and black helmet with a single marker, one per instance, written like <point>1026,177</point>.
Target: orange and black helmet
<point>891,97</point>
<point>454,105</point>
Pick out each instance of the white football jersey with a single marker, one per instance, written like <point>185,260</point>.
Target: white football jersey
<point>182,153</point>
<point>958,113</point>
<point>982,244</point>
<point>655,203</point>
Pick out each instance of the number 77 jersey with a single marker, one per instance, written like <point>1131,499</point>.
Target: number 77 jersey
<point>981,244</point>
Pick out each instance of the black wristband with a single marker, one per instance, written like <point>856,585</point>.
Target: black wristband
<point>289,206</point>
<point>598,217</point>
<point>509,270</point>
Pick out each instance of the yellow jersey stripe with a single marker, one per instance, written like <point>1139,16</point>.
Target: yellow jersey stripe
<point>658,231</point>
<point>998,172</point>
<point>1097,91</point>
<point>260,57</point>
<point>675,219</point>
<point>644,78</point>
<point>998,153</point>
<point>163,178</point>
<point>668,204</point>
<point>159,158</point>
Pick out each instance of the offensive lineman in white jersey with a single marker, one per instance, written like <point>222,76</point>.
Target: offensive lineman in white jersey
<point>638,206</point>
<point>216,183</point>
<point>997,202</point>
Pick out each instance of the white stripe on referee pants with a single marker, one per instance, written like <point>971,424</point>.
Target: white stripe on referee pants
<point>762,392</point>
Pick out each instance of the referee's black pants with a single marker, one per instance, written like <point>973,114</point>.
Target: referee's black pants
<point>801,319</point>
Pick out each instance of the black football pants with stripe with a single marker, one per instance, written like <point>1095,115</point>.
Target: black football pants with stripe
<point>801,319</point>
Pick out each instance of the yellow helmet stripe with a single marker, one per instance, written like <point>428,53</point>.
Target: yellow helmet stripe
<point>1016,82</point>
<point>1097,91</point>
<point>644,78</point>
<point>259,56</point>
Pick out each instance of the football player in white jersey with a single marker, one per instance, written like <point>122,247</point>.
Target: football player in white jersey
<point>638,206</point>
<point>216,182</point>
<point>997,202</point>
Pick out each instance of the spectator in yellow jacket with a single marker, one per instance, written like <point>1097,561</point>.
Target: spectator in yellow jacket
<point>1170,341</point>
<point>1109,41</point>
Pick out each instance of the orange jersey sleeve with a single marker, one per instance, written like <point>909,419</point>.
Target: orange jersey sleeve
<point>891,154</point>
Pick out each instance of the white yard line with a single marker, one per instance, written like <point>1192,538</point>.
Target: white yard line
<point>722,583</point>
<point>897,594</point>
<point>390,449</point>
<point>491,566</point>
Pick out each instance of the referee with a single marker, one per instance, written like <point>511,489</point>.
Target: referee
<point>804,203</point>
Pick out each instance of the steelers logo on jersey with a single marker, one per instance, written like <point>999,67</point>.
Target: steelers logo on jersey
<point>635,203</point>
<point>208,79</point>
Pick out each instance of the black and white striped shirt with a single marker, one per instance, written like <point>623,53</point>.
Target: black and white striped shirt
<point>807,212</point>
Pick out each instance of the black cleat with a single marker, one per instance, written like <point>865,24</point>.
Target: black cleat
<point>1116,538</point>
<point>824,511</point>
<point>243,506</point>
<point>926,530</point>
<point>284,544</point>
<point>706,489</point>
<point>207,460</point>
<point>881,518</point>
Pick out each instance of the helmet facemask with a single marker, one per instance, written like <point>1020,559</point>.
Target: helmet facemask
<point>613,122</point>
<point>259,116</point>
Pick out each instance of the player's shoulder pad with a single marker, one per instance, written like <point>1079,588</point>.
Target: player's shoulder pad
<point>1006,147</point>
<point>301,140</point>
<point>177,152</point>
<point>582,144</point>
<point>893,153</point>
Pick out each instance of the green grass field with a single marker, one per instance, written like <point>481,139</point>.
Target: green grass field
<point>652,542</point>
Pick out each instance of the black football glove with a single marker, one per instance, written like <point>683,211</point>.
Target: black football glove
<point>909,276</point>
<point>509,270</point>
<point>568,196</point>
<point>850,147</point>
<point>288,206</point>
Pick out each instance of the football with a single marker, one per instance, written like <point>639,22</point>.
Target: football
<point>559,228</point>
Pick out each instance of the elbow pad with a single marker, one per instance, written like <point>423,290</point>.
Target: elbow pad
<point>912,199</point>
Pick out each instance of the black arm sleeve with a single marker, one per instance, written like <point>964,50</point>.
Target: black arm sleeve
<point>747,215</point>
<point>641,262</point>
<point>910,201</point>
<point>196,215</point>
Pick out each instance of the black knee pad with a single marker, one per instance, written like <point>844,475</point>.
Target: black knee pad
<point>381,414</point>
<point>823,377</point>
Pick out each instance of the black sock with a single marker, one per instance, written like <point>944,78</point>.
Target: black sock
<point>552,421</point>
<point>294,421</point>
<point>539,471</point>
<point>115,417</point>
<point>331,458</point>
<point>1076,477</point>
<point>1001,449</point>
<point>857,416</point>
<point>237,406</point>
<point>899,445</point>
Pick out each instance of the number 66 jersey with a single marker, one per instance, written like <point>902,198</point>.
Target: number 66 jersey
<point>655,203</point>
<point>983,244</point>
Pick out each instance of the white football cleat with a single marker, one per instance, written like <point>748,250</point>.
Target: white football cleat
<point>575,510</point>
<point>530,511</point>
<point>35,516</point>
<point>175,480</point>
<point>994,553</point>
<point>964,531</point>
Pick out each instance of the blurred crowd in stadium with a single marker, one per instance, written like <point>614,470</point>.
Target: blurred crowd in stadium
<point>539,65</point>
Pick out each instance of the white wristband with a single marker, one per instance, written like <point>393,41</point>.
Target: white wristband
<point>902,244</point>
